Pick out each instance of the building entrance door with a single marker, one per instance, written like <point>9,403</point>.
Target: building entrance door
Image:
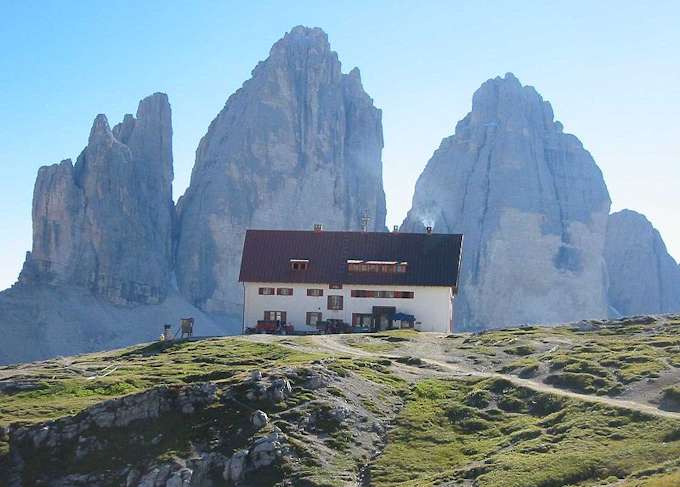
<point>382,317</point>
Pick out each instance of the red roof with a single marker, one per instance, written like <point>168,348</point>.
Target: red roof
<point>433,259</point>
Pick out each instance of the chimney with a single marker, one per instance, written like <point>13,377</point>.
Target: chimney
<point>365,220</point>
<point>429,230</point>
<point>318,227</point>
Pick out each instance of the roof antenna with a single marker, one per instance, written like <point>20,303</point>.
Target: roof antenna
<point>365,220</point>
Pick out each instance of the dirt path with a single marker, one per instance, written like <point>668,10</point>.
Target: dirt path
<point>333,343</point>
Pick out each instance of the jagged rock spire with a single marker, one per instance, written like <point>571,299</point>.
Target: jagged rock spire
<point>299,143</point>
<point>643,277</point>
<point>106,223</point>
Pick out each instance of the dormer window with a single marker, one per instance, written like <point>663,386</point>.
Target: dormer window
<point>299,264</point>
<point>377,266</point>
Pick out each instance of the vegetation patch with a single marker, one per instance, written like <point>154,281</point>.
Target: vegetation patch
<point>670,398</point>
<point>622,353</point>
<point>494,434</point>
<point>65,389</point>
<point>584,383</point>
<point>522,350</point>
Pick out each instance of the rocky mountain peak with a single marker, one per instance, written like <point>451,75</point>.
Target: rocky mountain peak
<point>106,223</point>
<point>530,201</point>
<point>101,136</point>
<point>301,35</point>
<point>504,103</point>
<point>299,143</point>
<point>643,277</point>
<point>302,50</point>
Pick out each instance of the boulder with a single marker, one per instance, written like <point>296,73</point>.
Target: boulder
<point>259,419</point>
<point>235,468</point>
<point>265,451</point>
<point>256,376</point>
<point>279,389</point>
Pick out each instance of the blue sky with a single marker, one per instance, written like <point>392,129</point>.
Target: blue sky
<point>610,69</point>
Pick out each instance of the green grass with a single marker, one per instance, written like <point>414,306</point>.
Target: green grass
<point>370,346</point>
<point>500,435</point>
<point>381,342</point>
<point>603,361</point>
<point>375,370</point>
<point>140,368</point>
<point>665,480</point>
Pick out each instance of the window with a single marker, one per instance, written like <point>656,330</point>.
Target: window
<point>335,302</point>
<point>376,266</point>
<point>363,293</point>
<point>314,292</point>
<point>284,291</point>
<point>267,291</point>
<point>313,318</point>
<point>362,319</point>
<point>335,286</point>
<point>299,264</point>
<point>275,316</point>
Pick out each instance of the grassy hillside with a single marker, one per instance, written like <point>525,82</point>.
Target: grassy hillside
<point>592,405</point>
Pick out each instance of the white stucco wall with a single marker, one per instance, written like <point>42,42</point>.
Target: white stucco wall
<point>431,306</point>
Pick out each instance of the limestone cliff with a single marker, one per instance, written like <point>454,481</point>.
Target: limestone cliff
<point>532,205</point>
<point>299,143</point>
<point>106,223</point>
<point>99,275</point>
<point>643,277</point>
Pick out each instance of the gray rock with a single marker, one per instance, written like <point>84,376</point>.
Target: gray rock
<point>180,478</point>
<point>256,375</point>
<point>132,478</point>
<point>259,419</point>
<point>643,277</point>
<point>532,205</point>
<point>279,389</point>
<point>106,223</point>
<point>56,437</point>
<point>262,452</point>
<point>235,468</point>
<point>102,247</point>
<point>299,143</point>
<point>265,451</point>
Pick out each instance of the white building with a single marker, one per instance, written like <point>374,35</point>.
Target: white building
<point>364,281</point>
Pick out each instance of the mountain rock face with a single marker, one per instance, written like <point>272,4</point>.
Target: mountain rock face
<point>643,277</point>
<point>40,321</point>
<point>532,205</point>
<point>106,223</point>
<point>99,275</point>
<point>299,143</point>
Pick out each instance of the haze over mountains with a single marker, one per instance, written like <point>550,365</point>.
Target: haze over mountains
<point>300,143</point>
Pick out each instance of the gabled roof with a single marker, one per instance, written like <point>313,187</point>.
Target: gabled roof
<point>433,259</point>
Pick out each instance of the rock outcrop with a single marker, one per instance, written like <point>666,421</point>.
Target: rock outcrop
<point>205,434</point>
<point>106,223</point>
<point>81,435</point>
<point>299,143</point>
<point>643,277</point>
<point>100,271</point>
<point>532,205</point>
